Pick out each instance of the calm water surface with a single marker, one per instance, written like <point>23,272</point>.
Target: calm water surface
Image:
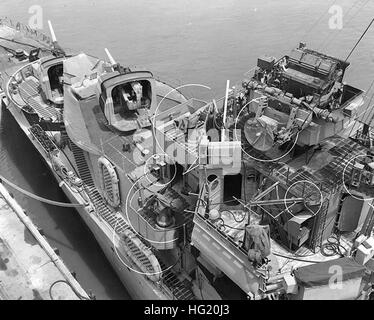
<point>183,42</point>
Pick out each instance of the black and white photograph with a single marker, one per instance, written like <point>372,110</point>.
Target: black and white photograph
<point>187,154</point>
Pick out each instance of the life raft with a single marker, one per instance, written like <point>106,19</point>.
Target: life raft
<point>109,182</point>
<point>141,255</point>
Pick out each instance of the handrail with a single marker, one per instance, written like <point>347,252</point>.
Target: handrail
<point>32,33</point>
<point>10,96</point>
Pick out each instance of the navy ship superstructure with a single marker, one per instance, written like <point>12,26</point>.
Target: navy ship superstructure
<point>252,196</point>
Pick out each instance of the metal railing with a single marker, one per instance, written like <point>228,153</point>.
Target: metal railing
<point>32,33</point>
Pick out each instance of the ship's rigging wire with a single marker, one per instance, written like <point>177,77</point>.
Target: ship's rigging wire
<point>325,12</point>
<point>41,199</point>
<point>327,39</point>
<point>359,40</point>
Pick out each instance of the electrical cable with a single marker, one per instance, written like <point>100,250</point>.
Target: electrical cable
<point>333,248</point>
<point>222,226</point>
<point>294,258</point>
<point>233,215</point>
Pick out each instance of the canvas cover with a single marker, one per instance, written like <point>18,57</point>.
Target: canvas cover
<point>319,274</point>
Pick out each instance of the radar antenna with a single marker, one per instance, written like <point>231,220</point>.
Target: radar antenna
<point>259,134</point>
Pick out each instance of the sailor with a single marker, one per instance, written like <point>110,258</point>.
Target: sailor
<point>257,243</point>
<point>337,94</point>
<point>146,102</point>
<point>133,99</point>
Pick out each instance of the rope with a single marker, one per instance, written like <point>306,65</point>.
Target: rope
<point>41,199</point>
<point>72,288</point>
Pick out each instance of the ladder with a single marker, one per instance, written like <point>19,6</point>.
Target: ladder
<point>319,226</point>
<point>180,289</point>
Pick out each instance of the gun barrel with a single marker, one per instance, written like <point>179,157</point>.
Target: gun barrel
<point>53,35</point>
<point>111,59</point>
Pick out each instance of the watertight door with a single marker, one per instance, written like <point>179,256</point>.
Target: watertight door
<point>350,214</point>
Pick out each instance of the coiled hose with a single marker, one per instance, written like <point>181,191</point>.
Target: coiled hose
<point>333,247</point>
